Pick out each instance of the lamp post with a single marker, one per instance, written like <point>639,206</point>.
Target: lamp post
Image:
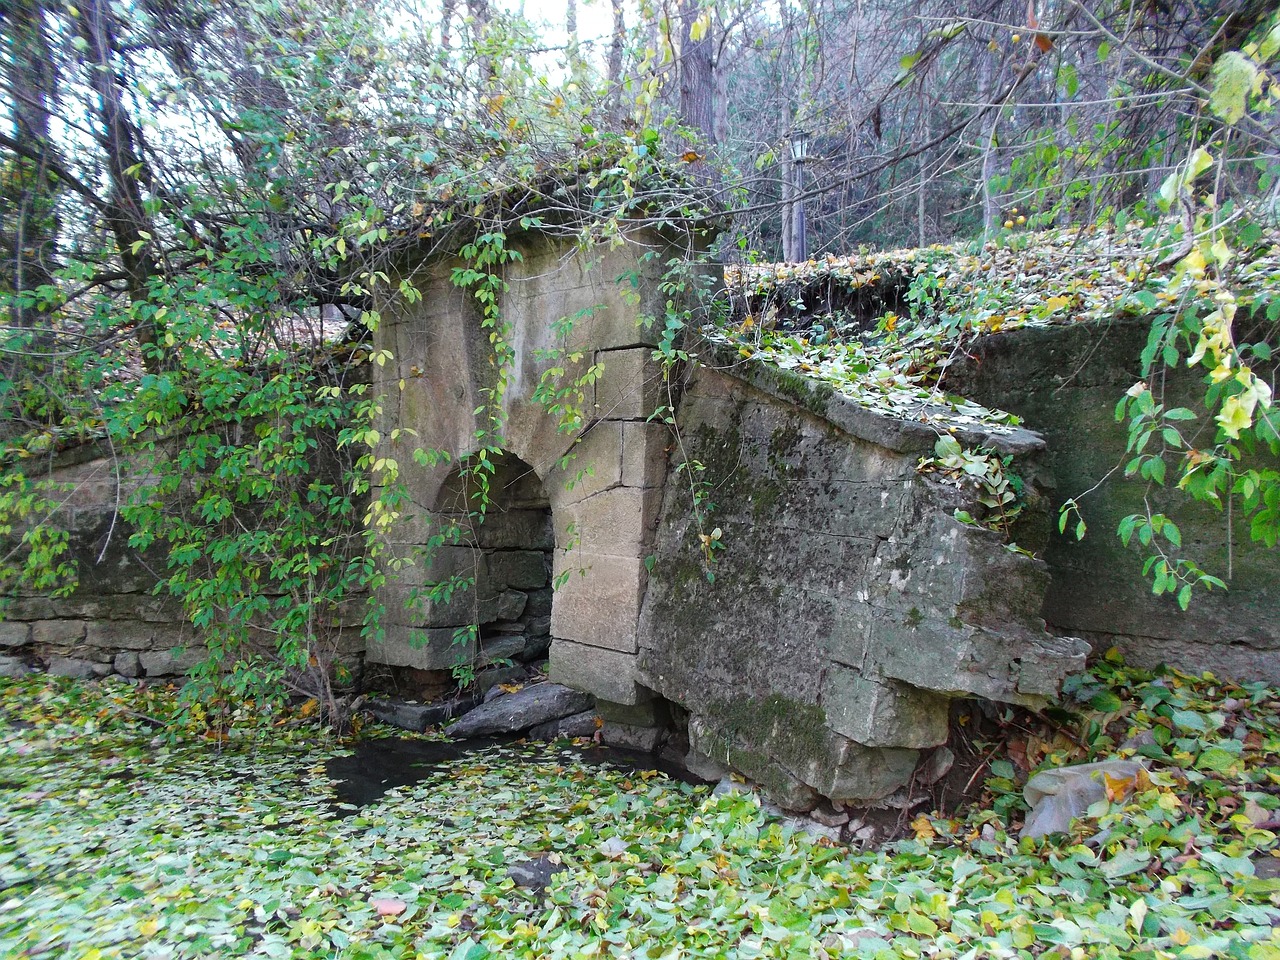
<point>799,141</point>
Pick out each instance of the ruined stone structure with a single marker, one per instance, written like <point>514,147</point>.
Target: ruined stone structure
<point>848,609</point>
<point>848,605</point>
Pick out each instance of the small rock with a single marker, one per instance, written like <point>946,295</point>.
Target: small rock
<point>519,711</point>
<point>730,785</point>
<point>486,680</point>
<point>579,725</point>
<point>127,664</point>
<point>936,767</point>
<point>13,667</point>
<point>644,739</point>
<point>494,649</point>
<point>829,815</point>
<point>73,668</point>
<point>816,830</point>
<point>703,767</point>
<point>535,875</point>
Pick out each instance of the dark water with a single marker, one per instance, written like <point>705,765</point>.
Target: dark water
<point>378,765</point>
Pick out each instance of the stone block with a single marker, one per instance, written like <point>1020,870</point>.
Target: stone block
<point>74,668</point>
<point>629,384</point>
<point>584,724</point>
<point>598,602</point>
<point>15,634</point>
<point>58,633</point>
<point>128,664</point>
<point>644,454</point>
<point>883,713</point>
<point>493,649</point>
<point>14,667</point>
<point>116,635</point>
<point>521,569</point>
<point>169,663</point>
<point>605,673</point>
<point>425,649</point>
<point>617,523</point>
<point>527,529</point>
<point>594,463</point>
<point>628,737</point>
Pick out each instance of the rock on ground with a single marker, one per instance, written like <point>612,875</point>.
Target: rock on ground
<point>540,703</point>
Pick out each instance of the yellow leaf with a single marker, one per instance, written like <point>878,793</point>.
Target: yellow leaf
<point>1181,936</point>
<point>1057,303</point>
<point>923,829</point>
<point>149,927</point>
<point>700,27</point>
<point>1118,787</point>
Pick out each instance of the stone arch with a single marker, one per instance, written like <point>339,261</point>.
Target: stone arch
<point>505,551</point>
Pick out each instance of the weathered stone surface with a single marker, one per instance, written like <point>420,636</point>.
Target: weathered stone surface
<point>15,634</point>
<point>57,633</point>
<point>594,464</point>
<point>629,384</point>
<point>604,673</point>
<point>115,635</point>
<point>629,737</point>
<point>1064,381</point>
<point>494,649</point>
<point>644,454</point>
<point>168,663</point>
<point>425,649</point>
<point>490,677</point>
<point>513,712</point>
<point>127,663</point>
<point>417,717</point>
<point>71,667</point>
<point>584,724</point>
<point>599,601</point>
<point>618,522</point>
<point>788,749</point>
<point>520,569</point>
<point>879,713</point>
<point>12,667</point>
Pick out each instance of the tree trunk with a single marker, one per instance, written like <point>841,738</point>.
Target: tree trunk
<point>32,80</point>
<point>697,76</point>
<point>125,215</point>
<point>617,46</point>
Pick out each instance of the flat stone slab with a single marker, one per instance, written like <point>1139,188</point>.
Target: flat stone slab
<point>416,717</point>
<point>540,703</point>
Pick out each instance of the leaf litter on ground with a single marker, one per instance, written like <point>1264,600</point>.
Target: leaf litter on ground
<point>117,843</point>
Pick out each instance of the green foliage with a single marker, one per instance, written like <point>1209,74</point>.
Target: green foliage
<point>996,489</point>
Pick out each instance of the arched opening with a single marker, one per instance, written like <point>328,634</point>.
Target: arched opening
<point>501,540</point>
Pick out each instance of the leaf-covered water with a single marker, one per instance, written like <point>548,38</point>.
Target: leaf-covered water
<point>113,844</point>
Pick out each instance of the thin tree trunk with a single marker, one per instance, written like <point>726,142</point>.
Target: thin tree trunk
<point>697,76</point>
<point>32,80</point>
<point>617,46</point>
<point>125,214</point>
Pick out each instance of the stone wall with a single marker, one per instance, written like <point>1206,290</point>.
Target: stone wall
<point>848,606</point>
<point>113,622</point>
<point>1064,381</point>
